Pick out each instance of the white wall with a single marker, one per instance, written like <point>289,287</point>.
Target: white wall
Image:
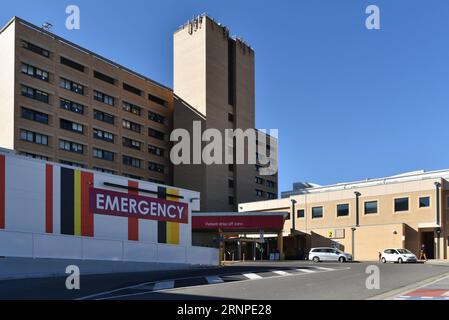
<point>7,80</point>
<point>25,234</point>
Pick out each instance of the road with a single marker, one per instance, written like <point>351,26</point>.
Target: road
<point>250,281</point>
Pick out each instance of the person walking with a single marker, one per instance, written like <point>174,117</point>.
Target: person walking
<point>422,253</point>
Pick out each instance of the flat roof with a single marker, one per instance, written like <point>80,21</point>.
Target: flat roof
<point>406,177</point>
<point>67,42</point>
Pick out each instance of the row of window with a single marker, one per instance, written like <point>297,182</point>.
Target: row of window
<point>369,207</point>
<point>79,165</point>
<point>78,108</point>
<point>98,75</point>
<point>99,96</point>
<point>99,115</point>
<point>262,194</point>
<point>268,183</point>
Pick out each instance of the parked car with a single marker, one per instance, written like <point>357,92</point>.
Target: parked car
<point>328,254</point>
<point>397,255</point>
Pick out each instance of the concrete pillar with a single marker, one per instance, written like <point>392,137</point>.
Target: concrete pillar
<point>281,245</point>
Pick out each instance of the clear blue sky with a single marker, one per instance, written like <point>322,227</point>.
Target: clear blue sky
<point>349,103</point>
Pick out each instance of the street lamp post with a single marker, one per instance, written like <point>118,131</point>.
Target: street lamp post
<point>357,222</point>
<point>292,231</point>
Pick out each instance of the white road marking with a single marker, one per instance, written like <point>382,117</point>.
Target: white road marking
<point>427,297</point>
<point>214,279</point>
<point>281,273</point>
<point>93,296</point>
<point>324,269</point>
<point>252,276</point>
<point>164,285</point>
<point>306,270</point>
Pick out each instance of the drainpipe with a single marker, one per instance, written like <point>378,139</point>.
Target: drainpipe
<point>437,216</point>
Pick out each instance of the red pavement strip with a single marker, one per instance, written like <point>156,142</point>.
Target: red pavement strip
<point>429,293</point>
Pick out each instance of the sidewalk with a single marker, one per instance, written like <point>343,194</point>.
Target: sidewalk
<point>437,290</point>
<point>437,262</point>
<point>20,268</point>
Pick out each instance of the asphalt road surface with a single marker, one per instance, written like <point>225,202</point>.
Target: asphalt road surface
<point>296,280</point>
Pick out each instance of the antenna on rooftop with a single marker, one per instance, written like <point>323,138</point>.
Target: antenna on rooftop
<point>47,26</point>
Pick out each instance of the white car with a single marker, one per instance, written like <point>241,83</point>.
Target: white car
<point>328,254</point>
<point>397,255</point>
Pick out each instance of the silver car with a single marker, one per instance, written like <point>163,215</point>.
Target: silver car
<point>328,254</point>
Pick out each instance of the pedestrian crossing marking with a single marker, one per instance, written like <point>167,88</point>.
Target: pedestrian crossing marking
<point>306,270</point>
<point>281,273</point>
<point>164,285</point>
<point>214,279</point>
<point>252,276</point>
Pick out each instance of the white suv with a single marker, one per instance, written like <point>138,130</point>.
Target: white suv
<point>328,254</point>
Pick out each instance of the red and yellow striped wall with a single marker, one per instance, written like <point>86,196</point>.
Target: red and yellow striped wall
<point>74,202</point>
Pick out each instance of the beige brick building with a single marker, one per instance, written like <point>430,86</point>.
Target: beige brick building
<point>403,211</point>
<point>63,103</point>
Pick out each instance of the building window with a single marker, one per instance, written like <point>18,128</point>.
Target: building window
<point>156,167</point>
<point>71,106</point>
<point>259,193</point>
<point>103,154</point>
<point>103,77</point>
<point>132,89</point>
<point>104,117</point>
<point>34,156</point>
<point>156,181</point>
<point>35,94</point>
<point>71,86</point>
<point>104,170</point>
<point>371,207</point>
<point>71,146</point>
<point>230,117</point>
<point>343,210</point>
<point>132,108</point>
<point>132,126</point>
<point>35,72</point>
<point>34,115</point>
<point>156,134</point>
<point>231,183</point>
<point>103,135</point>
<point>424,202</point>
<point>133,144</point>
<point>72,64</point>
<point>157,100</point>
<point>71,163</point>
<point>400,204</point>
<point>270,184</point>
<point>132,176</point>
<point>301,213</point>
<point>271,195</point>
<point>102,97</point>
<point>231,201</point>
<point>317,212</point>
<point>156,117</point>
<point>260,181</point>
<point>156,150</point>
<point>132,162</point>
<point>34,137</point>
<point>71,126</point>
<point>36,49</point>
